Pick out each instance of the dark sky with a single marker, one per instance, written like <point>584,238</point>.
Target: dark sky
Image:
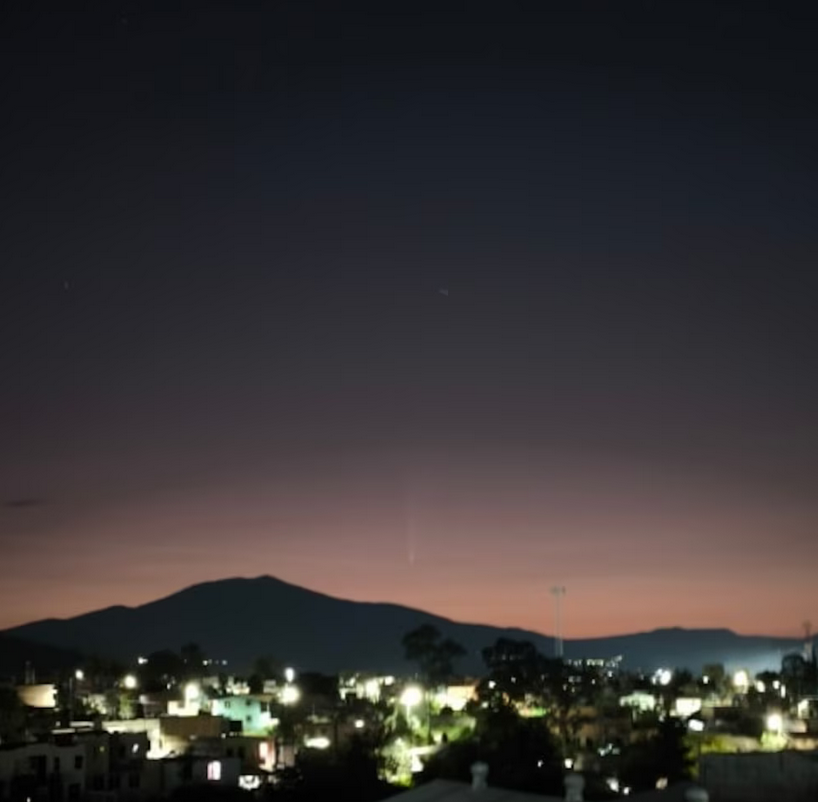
<point>410,304</point>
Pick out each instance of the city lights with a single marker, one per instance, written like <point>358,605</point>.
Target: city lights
<point>289,674</point>
<point>411,696</point>
<point>320,742</point>
<point>290,695</point>
<point>130,682</point>
<point>741,680</point>
<point>775,723</point>
<point>79,675</point>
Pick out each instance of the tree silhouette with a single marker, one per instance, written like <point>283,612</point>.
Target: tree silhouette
<point>433,654</point>
<point>520,752</point>
<point>664,755</point>
<point>193,659</point>
<point>518,673</point>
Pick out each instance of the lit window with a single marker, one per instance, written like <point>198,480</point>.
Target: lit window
<point>214,771</point>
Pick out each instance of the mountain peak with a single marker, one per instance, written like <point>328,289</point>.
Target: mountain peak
<point>242,618</point>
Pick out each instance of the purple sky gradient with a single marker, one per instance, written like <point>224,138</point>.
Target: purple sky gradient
<point>225,351</point>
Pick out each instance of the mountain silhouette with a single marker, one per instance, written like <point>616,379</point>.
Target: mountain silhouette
<point>239,620</point>
<point>48,661</point>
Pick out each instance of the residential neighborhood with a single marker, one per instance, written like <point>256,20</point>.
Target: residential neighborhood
<point>540,725</point>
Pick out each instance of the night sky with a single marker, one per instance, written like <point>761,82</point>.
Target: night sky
<point>416,306</point>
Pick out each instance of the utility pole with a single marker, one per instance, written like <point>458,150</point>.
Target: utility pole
<point>558,592</point>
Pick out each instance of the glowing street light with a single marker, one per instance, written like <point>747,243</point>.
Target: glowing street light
<point>775,723</point>
<point>79,675</point>
<point>741,680</point>
<point>130,682</point>
<point>290,695</point>
<point>411,697</point>
<point>664,676</point>
<point>289,674</point>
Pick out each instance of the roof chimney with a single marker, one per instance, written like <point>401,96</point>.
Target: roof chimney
<point>479,773</point>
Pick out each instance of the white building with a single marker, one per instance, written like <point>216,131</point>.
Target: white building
<point>252,712</point>
<point>34,770</point>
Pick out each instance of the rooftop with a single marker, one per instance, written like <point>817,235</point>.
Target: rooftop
<point>450,791</point>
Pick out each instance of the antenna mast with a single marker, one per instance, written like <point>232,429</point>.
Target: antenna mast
<point>558,592</point>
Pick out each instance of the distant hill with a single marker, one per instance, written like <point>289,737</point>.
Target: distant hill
<point>47,660</point>
<point>241,619</point>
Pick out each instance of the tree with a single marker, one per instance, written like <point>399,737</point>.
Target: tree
<point>520,752</point>
<point>193,659</point>
<point>664,755</point>
<point>433,654</point>
<point>162,668</point>
<point>266,667</point>
<point>564,689</point>
<point>519,673</point>
<point>515,670</point>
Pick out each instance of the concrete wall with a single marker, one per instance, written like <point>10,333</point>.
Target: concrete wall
<point>761,777</point>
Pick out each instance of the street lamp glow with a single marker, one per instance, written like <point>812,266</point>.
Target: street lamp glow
<point>79,675</point>
<point>129,682</point>
<point>775,723</point>
<point>696,725</point>
<point>664,676</point>
<point>290,695</point>
<point>192,691</point>
<point>289,674</point>
<point>411,696</point>
<point>741,680</point>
